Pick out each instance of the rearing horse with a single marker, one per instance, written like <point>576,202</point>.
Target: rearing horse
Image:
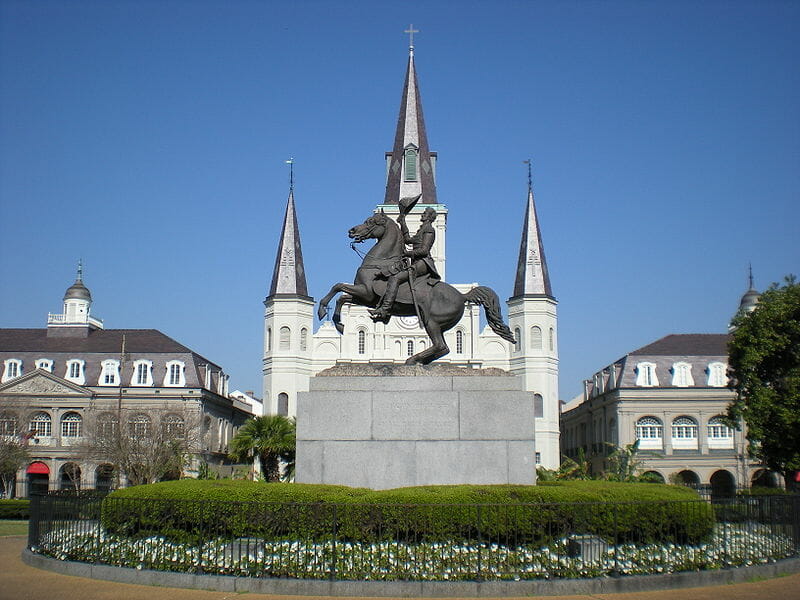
<point>441,306</point>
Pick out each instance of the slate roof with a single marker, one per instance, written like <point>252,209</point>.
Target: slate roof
<point>687,344</point>
<point>289,275</point>
<point>532,276</point>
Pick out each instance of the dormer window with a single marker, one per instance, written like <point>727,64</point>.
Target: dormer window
<point>13,369</point>
<point>109,373</point>
<point>45,364</point>
<point>646,374</point>
<point>142,373</point>
<point>75,371</point>
<point>682,375</point>
<point>410,164</point>
<point>175,376</point>
<point>717,374</point>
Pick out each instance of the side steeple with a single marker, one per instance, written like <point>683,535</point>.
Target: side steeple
<point>289,276</point>
<point>410,166</point>
<point>532,277</point>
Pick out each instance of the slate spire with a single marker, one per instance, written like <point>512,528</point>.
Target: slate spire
<point>289,276</point>
<point>410,163</point>
<point>532,276</point>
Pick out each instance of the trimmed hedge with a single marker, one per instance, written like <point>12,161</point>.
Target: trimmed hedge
<point>193,510</point>
<point>15,509</point>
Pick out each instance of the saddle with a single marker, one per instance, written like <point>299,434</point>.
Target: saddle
<point>422,286</point>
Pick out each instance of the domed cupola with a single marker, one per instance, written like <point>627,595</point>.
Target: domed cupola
<point>77,305</point>
<point>750,298</point>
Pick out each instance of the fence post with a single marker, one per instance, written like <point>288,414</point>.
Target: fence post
<point>33,521</point>
<point>333,549</point>
<point>480,543</point>
<point>796,520</point>
<point>616,541</point>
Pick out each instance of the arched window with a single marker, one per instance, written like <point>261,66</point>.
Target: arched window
<point>13,369</point>
<point>536,338</point>
<point>285,339</point>
<point>362,341</point>
<point>717,374</point>
<point>684,433</point>
<point>410,347</point>
<point>303,339</point>
<point>70,477</point>
<point>719,434</point>
<point>682,375</point>
<point>139,426</point>
<point>269,339</point>
<point>538,406</point>
<point>518,338</point>
<point>75,371</point>
<point>459,342</point>
<point>646,374</point>
<point>175,376</point>
<point>410,164</point>
<point>649,432</point>
<point>283,404</point>
<point>174,426</point>
<point>41,425</point>
<point>107,426</point>
<point>71,425</point>
<point>9,425</point>
<point>109,372</point>
<point>142,373</point>
<point>552,339</point>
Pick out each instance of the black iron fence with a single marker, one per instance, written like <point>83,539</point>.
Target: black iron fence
<point>416,542</point>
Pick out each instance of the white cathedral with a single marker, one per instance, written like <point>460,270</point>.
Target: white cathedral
<point>293,353</point>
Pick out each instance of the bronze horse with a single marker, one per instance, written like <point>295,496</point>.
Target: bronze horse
<point>440,306</point>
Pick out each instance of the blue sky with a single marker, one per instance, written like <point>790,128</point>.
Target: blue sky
<point>149,139</point>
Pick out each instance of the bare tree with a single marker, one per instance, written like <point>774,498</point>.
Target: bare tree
<point>147,444</point>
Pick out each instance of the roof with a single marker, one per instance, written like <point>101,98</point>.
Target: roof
<point>99,341</point>
<point>289,275</point>
<point>687,344</point>
<point>532,276</point>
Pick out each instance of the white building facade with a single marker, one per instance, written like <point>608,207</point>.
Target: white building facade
<point>294,352</point>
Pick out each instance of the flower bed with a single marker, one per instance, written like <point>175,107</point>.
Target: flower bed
<point>731,544</point>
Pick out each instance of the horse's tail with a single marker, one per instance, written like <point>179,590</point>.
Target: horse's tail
<point>486,297</point>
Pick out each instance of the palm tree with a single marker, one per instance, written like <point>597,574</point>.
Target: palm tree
<point>271,438</point>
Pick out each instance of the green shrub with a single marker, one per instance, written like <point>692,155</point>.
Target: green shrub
<point>15,509</point>
<point>762,491</point>
<point>192,510</point>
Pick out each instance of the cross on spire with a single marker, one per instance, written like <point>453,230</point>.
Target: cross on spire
<point>411,31</point>
<point>290,162</point>
<point>530,179</point>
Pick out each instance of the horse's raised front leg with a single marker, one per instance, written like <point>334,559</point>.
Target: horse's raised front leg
<point>358,293</point>
<point>337,311</point>
<point>438,347</point>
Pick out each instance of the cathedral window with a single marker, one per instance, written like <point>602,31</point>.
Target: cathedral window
<point>459,342</point>
<point>283,404</point>
<point>518,338</point>
<point>646,375</point>
<point>142,373</point>
<point>536,338</point>
<point>175,376</point>
<point>109,373</point>
<point>717,374</point>
<point>303,339</point>
<point>410,164</point>
<point>269,339</point>
<point>45,364</point>
<point>682,375</point>
<point>13,369</point>
<point>71,425</point>
<point>552,339</point>
<point>538,406</point>
<point>362,341</point>
<point>410,347</point>
<point>285,338</point>
<point>41,425</point>
<point>75,371</point>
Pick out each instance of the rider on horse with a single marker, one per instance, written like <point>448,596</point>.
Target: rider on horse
<point>421,262</point>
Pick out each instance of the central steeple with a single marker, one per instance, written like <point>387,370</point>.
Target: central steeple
<point>410,166</point>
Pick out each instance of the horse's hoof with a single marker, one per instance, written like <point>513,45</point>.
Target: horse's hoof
<point>322,312</point>
<point>340,327</point>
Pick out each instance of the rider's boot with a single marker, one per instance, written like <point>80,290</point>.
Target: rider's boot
<point>381,313</point>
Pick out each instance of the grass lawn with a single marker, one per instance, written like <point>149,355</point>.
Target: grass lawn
<point>10,527</point>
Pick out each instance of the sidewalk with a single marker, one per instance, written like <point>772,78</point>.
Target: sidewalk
<point>18,581</point>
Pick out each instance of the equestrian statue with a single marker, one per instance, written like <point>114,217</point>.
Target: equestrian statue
<point>395,281</point>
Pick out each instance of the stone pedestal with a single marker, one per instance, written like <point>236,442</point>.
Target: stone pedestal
<point>386,427</point>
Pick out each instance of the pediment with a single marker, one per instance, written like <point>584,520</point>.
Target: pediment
<point>42,383</point>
